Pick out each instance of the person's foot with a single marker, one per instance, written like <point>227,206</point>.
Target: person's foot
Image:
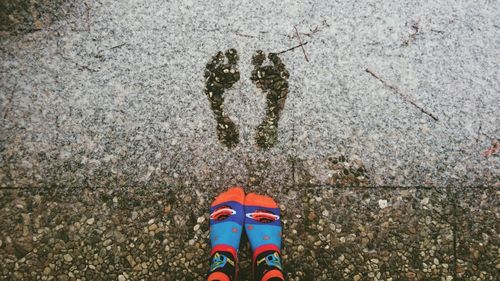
<point>263,228</point>
<point>219,77</point>
<point>272,79</point>
<point>226,225</point>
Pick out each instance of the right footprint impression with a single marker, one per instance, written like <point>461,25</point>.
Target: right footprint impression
<point>272,80</point>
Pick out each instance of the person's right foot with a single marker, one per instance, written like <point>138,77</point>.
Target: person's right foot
<point>263,228</point>
<point>219,77</point>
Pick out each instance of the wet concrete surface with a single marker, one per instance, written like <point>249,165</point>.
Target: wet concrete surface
<point>112,94</point>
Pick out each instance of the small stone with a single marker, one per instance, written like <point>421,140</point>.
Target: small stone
<point>374,260</point>
<point>115,199</point>
<point>107,242</point>
<point>410,275</point>
<point>121,278</point>
<point>382,203</point>
<point>151,221</point>
<point>196,227</point>
<point>325,213</point>
<point>153,227</point>
<point>131,260</point>
<point>405,193</point>
<point>68,257</point>
<point>449,278</point>
<point>300,248</point>
<point>356,277</point>
<point>200,219</point>
<point>134,215</point>
<point>436,261</point>
<point>46,270</point>
<point>341,258</point>
<point>189,256</point>
<point>38,24</point>
<point>311,216</point>
<point>90,221</point>
<point>425,201</point>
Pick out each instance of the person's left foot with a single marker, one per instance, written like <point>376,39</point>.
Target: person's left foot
<point>226,225</point>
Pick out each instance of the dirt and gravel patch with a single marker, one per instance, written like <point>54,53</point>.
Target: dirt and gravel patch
<point>329,234</point>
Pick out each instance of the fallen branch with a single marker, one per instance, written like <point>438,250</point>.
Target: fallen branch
<point>405,97</point>
<point>301,44</point>
<point>244,35</point>
<point>292,48</point>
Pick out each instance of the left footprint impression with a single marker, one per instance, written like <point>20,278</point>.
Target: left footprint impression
<point>219,77</point>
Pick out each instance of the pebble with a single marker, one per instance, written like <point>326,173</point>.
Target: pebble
<point>152,227</point>
<point>68,257</point>
<point>200,219</point>
<point>410,275</point>
<point>300,248</point>
<point>121,278</point>
<point>196,227</point>
<point>131,260</point>
<point>382,203</point>
<point>341,258</point>
<point>90,221</point>
<point>134,215</point>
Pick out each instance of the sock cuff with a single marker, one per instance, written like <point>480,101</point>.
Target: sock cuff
<point>273,275</point>
<point>225,248</point>
<point>218,276</point>
<point>265,248</point>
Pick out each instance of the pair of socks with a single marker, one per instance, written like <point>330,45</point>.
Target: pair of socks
<point>230,213</point>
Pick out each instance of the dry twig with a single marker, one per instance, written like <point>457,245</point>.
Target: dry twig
<point>292,48</point>
<point>401,94</point>
<point>301,44</point>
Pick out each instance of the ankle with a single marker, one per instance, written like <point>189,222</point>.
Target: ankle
<point>267,264</point>
<point>223,263</point>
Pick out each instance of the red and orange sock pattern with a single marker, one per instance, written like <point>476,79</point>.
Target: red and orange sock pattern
<point>226,226</point>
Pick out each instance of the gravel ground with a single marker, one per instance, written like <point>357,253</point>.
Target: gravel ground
<point>329,234</point>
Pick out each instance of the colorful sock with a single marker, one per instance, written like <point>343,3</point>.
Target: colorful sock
<point>263,228</point>
<point>226,225</point>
